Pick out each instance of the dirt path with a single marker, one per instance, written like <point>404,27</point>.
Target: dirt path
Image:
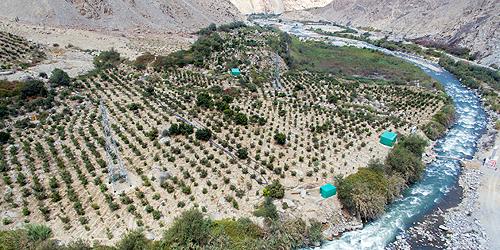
<point>489,198</point>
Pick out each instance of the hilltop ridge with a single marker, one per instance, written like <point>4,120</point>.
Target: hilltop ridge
<point>175,15</point>
<point>466,23</point>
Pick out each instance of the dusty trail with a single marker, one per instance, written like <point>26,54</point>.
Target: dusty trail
<point>489,199</point>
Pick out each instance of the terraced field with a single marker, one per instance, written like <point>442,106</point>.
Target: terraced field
<point>192,136</point>
<point>17,51</point>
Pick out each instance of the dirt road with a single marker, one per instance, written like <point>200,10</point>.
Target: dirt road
<point>489,199</point>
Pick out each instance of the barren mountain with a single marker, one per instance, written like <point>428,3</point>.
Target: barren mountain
<point>469,23</point>
<point>276,6</point>
<point>168,15</point>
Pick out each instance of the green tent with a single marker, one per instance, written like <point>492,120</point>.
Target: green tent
<point>235,72</point>
<point>388,138</point>
<point>327,190</point>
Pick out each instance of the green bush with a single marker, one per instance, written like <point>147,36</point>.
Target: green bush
<point>315,232</point>
<point>368,191</point>
<point>59,78</point>
<point>267,209</point>
<point>440,122</point>
<point>33,88</point>
<point>37,232</point>
<point>241,233</point>
<point>133,106</point>
<point>240,119</point>
<point>433,130</point>
<point>152,134</point>
<point>413,143</point>
<point>280,138</point>
<point>402,161</point>
<point>203,134</point>
<point>4,137</point>
<point>107,59</point>
<point>204,100</point>
<point>14,240</point>
<point>134,240</point>
<point>288,234</point>
<point>142,61</point>
<point>180,129</point>
<point>10,89</point>
<point>4,111</point>
<point>364,193</point>
<point>274,190</point>
<point>242,153</point>
<point>189,231</point>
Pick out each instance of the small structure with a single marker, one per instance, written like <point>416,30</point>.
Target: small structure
<point>235,72</point>
<point>388,138</point>
<point>327,190</point>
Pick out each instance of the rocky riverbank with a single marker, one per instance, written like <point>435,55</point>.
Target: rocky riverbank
<point>462,224</point>
<point>450,225</point>
<point>455,223</point>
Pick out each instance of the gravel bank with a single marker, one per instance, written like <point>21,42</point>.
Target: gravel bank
<point>456,223</point>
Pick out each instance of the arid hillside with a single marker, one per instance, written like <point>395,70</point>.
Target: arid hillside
<point>469,23</point>
<point>172,15</point>
<point>276,6</point>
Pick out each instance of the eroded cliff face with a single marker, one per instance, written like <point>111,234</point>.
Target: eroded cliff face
<point>276,6</point>
<point>166,15</point>
<point>93,9</point>
<point>470,23</point>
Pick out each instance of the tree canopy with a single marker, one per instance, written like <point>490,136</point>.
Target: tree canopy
<point>59,78</point>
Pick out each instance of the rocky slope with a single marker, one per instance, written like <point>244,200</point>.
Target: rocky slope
<point>168,15</point>
<point>470,23</point>
<point>276,6</point>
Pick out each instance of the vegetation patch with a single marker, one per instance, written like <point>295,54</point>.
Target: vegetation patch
<point>367,192</point>
<point>440,122</point>
<point>318,56</point>
<point>244,132</point>
<point>487,81</point>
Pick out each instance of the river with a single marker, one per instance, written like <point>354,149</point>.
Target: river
<point>440,176</point>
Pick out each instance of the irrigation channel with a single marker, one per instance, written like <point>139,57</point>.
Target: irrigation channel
<point>440,175</point>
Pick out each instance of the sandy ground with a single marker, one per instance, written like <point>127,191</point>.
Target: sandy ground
<point>73,61</point>
<point>130,44</point>
<point>73,50</point>
<point>489,198</point>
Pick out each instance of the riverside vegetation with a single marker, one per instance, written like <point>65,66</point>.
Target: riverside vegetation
<point>367,192</point>
<point>422,47</point>
<point>198,142</point>
<point>485,80</point>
